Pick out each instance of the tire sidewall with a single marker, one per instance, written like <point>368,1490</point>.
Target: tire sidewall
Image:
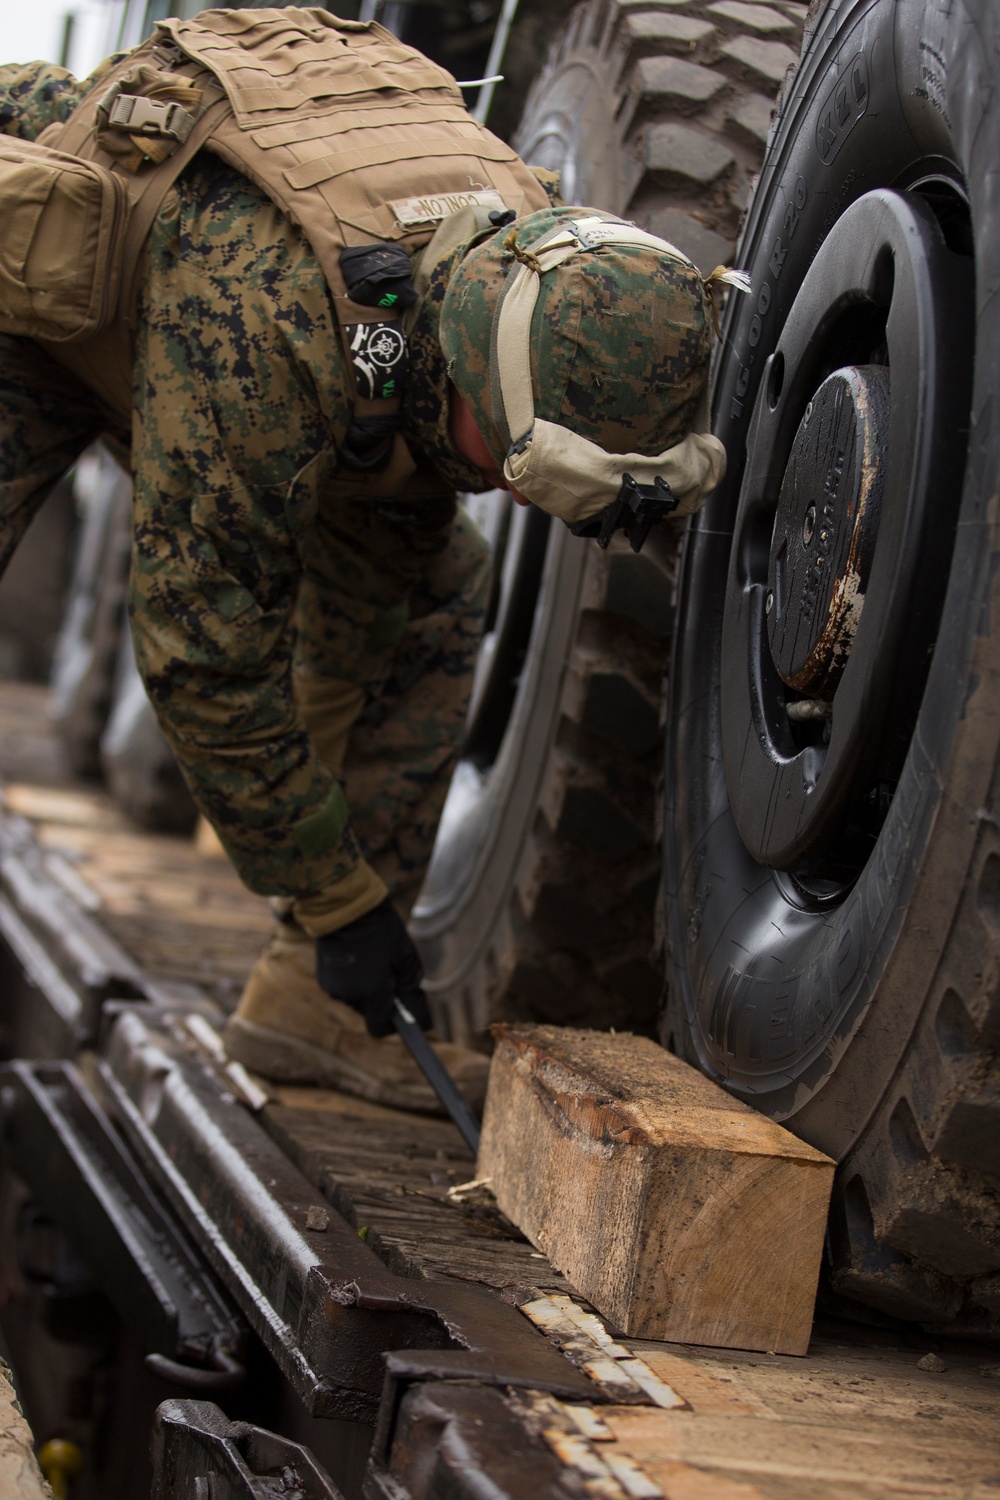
<point>472,872</point>
<point>885,939</point>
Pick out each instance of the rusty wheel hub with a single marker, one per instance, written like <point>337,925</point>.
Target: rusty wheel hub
<point>825,529</point>
<point>835,582</point>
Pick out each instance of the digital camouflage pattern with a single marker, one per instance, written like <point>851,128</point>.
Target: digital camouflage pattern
<point>252,555</point>
<point>244,528</point>
<point>266,582</point>
<point>620,339</point>
<point>33,95</point>
<point>46,417</point>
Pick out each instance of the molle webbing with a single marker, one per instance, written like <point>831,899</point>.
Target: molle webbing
<point>335,120</point>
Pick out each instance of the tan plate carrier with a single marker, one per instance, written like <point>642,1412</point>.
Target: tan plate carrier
<point>357,138</point>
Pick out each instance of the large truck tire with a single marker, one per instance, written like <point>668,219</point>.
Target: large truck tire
<point>85,661</point>
<point>33,588</point>
<point>831,836</point>
<point>140,769</point>
<point>541,897</point>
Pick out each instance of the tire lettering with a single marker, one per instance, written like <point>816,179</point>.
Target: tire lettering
<point>841,105</point>
<point>933,86</point>
<point>793,210</point>
<point>735,1023</point>
<point>826,136</point>
<point>859,83</point>
<point>842,108</point>
<point>752,1018</point>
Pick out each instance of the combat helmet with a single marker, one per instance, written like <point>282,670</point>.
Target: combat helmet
<point>581,343</point>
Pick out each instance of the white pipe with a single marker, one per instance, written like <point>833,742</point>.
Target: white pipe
<point>497,49</point>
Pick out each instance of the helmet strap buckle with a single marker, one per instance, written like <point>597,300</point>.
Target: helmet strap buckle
<point>635,510</point>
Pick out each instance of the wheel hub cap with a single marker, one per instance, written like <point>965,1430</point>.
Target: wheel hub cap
<point>825,529</point>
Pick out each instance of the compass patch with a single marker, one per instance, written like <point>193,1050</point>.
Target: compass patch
<point>380,358</point>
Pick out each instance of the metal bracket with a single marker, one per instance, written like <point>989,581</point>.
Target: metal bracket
<point>452,1440</point>
<point>636,509</point>
<point>59,947</point>
<point>199,1453</point>
<point>62,1145</point>
<point>326,1308</point>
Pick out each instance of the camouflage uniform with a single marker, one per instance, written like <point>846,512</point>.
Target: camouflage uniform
<point>307,633</point>
<point>256,563</point>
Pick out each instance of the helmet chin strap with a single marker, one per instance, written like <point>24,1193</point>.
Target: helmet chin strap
<point>558,469</point>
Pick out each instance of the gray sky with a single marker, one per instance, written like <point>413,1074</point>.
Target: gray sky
<point>31,29</point>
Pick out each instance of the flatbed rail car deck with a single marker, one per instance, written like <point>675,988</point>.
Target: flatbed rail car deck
<point>387,1315</point>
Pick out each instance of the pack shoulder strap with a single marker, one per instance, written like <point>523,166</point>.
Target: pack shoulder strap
<point>131,126</point>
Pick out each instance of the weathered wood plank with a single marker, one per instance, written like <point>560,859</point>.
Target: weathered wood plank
<point>857,1417</point>
<point>180,914</point>
<point>679,1212</point>
<point>390,1177</point>
<point>20,1476</point>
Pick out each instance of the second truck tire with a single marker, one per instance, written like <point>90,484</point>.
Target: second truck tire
<point>541,897</point>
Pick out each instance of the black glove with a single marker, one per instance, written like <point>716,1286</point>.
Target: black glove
<point>368,963</point>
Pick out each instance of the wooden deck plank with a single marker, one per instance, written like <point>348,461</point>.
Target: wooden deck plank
<point>392,1183</point>
<point>855,1417</point>
<point>183,914</point>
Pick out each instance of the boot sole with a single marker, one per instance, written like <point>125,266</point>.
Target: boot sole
<point>290,1059</point>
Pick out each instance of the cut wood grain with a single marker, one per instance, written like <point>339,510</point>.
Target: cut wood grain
<point>678,1211</point>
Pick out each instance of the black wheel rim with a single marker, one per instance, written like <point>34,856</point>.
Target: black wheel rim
<point>769,981</point>
<point>880,300</point>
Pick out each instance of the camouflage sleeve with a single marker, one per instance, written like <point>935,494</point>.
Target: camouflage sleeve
<point>239,407</point>
<point>46,421</point>
<point>33,95</point>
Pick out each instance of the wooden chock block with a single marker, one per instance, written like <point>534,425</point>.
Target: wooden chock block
<point>678,1211</point>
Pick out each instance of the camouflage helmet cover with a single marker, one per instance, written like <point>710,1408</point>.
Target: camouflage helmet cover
<point>620,339</point>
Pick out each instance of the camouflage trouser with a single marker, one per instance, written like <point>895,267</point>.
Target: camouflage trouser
<point>402,745</point>
<point>255,559</point>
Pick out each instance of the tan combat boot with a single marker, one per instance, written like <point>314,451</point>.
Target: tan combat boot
<point>287,1029</point>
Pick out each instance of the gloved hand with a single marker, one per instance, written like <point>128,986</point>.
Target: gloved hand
<point>368,963</point>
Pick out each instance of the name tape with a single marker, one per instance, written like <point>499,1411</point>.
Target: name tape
<point>412,212</point>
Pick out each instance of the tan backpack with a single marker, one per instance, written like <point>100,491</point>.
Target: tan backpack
<point>61,245</point>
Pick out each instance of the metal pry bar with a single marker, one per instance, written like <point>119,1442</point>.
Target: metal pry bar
<point>437,1075</point>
